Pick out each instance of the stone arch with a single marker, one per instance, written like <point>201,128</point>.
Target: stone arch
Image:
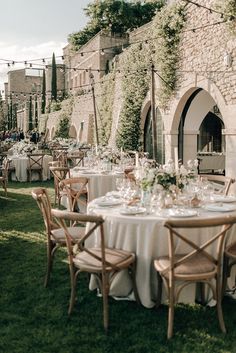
<point>199,97</point>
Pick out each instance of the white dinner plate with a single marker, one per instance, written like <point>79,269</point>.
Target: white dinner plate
<point>130,211</point>
<point>87,172</point>
<point>217,207</point>
<point>108,202</point>
<point>225,199</point>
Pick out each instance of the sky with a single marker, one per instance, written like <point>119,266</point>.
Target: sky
<point>32,29</point>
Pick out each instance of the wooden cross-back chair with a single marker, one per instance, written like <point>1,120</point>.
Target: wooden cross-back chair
<point>220,183</point>
<point>77,193</point>
<point>198,265</point>
<point>105,263</point>
<point>59,173</point>
<point>75,158</point>
<point>4,174</point>
<point>35,164</point>
<point>60,155</point>
<point>55,234</point>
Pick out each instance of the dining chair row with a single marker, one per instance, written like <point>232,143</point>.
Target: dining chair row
<point>175,270</point>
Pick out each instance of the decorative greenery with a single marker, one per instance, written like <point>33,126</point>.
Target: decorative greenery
<point>64,126</point>
<point>135,86</point>
<point>167,27</point>
<point>55,106</point>
<point>105,106</point>
<point>114,16</point>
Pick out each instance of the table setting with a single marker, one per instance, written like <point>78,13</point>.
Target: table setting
<point>135,213</point>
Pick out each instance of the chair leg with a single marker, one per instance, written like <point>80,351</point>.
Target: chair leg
<point>218,304</point>
<point>73,291</point>
<point>225,274</point>
<point>50,255</point>
<point>202,293</point>
<point>170,312</point>
<point>105,292</point>
<point>159,289</point>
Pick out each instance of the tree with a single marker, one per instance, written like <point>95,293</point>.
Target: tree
<point>43,102</point>
<point>54,79</point>
<point>116,16</point>
<point>2,116</point>
<point>30,114</point>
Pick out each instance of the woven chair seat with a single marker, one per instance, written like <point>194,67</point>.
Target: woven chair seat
<point>76,233</point>
<point>195,265</point>
<point>120,258</point>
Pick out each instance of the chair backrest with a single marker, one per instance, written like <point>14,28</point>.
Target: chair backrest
<point>35,161</point>
<point>220,183</point>
<point>177,229</point>
<point>75,188</point>
<point>65,218</point>
<point>60,155</point>
<point>76,158</point>
<point>40,195</point>
<point>59,173</point>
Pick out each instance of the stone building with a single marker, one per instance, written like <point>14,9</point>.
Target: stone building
<point>199,117</point>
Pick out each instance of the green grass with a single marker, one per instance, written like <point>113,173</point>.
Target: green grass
<point>34,319</point>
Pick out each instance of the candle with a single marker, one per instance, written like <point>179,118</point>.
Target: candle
<point>176,159</point>
<point>96,150</point>
<point>136,160</point>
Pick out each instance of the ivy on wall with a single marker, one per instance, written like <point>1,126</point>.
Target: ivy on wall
<point>228,8</point>
<point>167,28</point>
<point>135,86</point>
<point>163,53</point>
<point>105,107</point>
<point>63,127</point>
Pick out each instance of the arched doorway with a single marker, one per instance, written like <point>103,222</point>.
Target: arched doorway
<point>148,141</point>
<point>210,138</point>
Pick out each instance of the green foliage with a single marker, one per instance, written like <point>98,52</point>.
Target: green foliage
<point>54,79</point>
<point>55,106</point>
<point>105,105</point>
<point>43,103</point>
<point>167,27</point>
<point>2,116</point>
<point>228,8</point>
<point>135,85</point>
<point>64,126</point>
<point>115,16</point>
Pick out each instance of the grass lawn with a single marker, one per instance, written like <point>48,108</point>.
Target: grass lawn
<point>34,319</point>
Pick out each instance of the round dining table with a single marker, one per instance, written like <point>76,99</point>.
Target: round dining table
<point>99,182</point>
<point>135,230</point>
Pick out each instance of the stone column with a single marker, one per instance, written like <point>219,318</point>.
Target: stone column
<point>230,154</point>
<point>190,145</point>
<point>171,141</point>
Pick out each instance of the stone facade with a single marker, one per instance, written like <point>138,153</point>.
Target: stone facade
<point>206,80</point>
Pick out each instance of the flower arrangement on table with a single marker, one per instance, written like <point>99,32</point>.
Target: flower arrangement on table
<point>166,177</point>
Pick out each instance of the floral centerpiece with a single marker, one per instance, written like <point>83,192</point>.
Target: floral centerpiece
<point>166,177</point>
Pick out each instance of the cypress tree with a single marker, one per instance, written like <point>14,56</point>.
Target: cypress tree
<point>30,114</point>
<point>54,79</point>
<point>43,103</point>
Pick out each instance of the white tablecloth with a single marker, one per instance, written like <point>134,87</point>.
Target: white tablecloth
<point>147,238</point>
<point>98,183</point>
<point>20,164</point>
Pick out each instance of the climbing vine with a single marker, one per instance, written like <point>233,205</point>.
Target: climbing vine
<point>136,61</point>
<point>228,8</point>
<point>105,107</point>
<point>167,28</point>
<point>135,85</point>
